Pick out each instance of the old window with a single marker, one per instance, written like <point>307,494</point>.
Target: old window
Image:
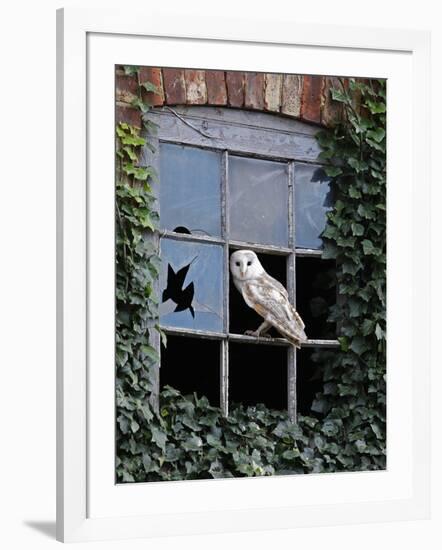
<point>230,180</point>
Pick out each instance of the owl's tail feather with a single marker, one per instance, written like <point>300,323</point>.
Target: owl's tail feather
<point>296,341</point>
<point>296,338</point>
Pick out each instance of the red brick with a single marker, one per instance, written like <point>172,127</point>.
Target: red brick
<point>174,86</point>
<point>152,75</point>
<point>126,87</point>
<point>235,88</point>
<point>273,89</point>
<point>292,94</point>
<point>311,98</point>
<point>216,88</point>
<point>196,91</point>
<point>130,115</point>
<point>331,111</point>
<point>254,91</point>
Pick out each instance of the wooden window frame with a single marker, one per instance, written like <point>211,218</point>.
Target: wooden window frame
<point>207,128</point>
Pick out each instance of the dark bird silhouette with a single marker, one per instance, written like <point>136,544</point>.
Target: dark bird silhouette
<point>174,291</point>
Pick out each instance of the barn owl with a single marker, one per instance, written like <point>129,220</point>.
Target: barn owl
<point>266,296</point>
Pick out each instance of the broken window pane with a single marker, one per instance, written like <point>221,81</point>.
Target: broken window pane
<point>191,285</point>
<point>316,295</point>
<point>190,190</point>
<point>313,199</point>
<point>258,201</point>
<point>201,374</point>
<point>258,374</point>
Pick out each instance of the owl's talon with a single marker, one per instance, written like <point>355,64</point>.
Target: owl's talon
<point>257,334</point>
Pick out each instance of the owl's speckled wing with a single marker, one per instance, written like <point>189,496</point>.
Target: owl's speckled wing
<point>269,298</point>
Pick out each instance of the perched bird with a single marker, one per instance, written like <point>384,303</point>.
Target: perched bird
<point>266,296</point>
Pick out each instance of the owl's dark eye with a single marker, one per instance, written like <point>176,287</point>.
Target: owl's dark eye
<point>238,264</point>
<point>249,263</point>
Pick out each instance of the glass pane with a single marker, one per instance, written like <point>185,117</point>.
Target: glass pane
<point>191,285</point>
<point>190,190</point>
<point>258,201</point>
<point>313,199</point>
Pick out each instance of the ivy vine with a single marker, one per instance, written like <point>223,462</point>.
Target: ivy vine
<point>186,438</point>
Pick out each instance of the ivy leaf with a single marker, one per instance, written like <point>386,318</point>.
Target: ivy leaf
<point>357,229</point>
<point>213,441</point>
<point>330,427</point>
<point>375,106</point>
<point>126,477</point>
<point>377,430</point>
<point>140,104</point>
<point>337,95</point>
<point>150,352</point>
<point>368,247</point>
<point>131,70</point>
<point>330,251</point>
<point>130,153</point>
<point>134,426</point>
<point>132,140</point>
<point>379,332</point>
<point>216,469</point>
<point>162,334</point>
<point>333,171</point>
<point>367,327</point>
<point>147,462</point>
<point>354,192</point>
<point>149,87</point>
<point>319,406</point>
<point>193,443</point>
<point>159,437</point>
<point>139,172</point>
<point>358,345</point>
<point>356,164</point>
<point>343,340</point>
<point>290,454</point>
<point>366,211</point>
<point>377,135</point>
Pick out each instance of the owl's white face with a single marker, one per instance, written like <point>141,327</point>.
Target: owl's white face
<point>244,265</point>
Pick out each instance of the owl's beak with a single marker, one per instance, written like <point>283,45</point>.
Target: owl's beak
<point>242,273</point>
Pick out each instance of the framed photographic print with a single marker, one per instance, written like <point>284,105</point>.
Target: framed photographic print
<point>242,220</point>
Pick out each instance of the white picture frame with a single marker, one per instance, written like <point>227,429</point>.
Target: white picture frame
<point>89,505</point>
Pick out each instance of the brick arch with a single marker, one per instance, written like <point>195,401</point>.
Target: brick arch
<point>302,97</point>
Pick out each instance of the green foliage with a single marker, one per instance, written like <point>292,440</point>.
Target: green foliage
<point>354,379</point>
<point>189,439</point>
<point>137,265</point>
<point>186,438</point>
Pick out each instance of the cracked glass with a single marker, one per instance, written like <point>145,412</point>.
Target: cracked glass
<point>191,285</point>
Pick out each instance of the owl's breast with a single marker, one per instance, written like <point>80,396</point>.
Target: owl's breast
<point>247,293</point>
<point>238,284</point>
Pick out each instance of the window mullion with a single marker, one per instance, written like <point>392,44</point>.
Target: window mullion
<point>151,158</point>
<point>224,370</point>
<point>291,289</point>
<point>224,377</point>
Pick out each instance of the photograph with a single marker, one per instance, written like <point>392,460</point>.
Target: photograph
<point>250,274</point>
